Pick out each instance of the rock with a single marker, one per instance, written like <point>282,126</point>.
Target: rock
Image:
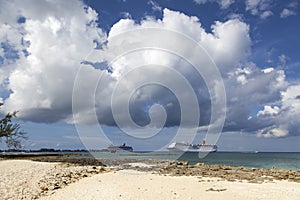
<point>254,175</point>
<point>216,190</point>
<point>198,165</point>
<point>44,188</point>
<point>57,187</point>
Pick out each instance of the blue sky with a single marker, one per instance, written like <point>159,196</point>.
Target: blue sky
<point>59,66</point>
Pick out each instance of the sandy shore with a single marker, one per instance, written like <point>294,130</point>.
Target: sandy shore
<point>129,184</point>
<point>25,179</point>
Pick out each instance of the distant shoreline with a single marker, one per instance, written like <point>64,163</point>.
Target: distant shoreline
<point>50,150</point>
<point>265,160</point>
<point>33,155</point>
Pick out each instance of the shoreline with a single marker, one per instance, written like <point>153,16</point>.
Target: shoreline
<point>266,160</point>
<point>131,184</point>
<point>174,168</point>
<point>51,177</point>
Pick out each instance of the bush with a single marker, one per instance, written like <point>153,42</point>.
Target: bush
<point>10,131</point>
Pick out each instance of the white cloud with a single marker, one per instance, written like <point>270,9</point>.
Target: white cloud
<point>1,52</point>
<point>266,14</point>
<point>266,8</point>
<point>59,40</point>
<point>42,82</point>
<point>282,59</point>
<point>231,36</point>
<point>286,13</point>
<point>274,132</point>
<point>126,15</point>
<point>268,70</point>
<point>223,3</point>
<point>242,79</point>
<point>226,3</point>
<point>283,121</point>
<point>259,7</point>
<point>236,16</point>
<point>155,6</point>
<point>228,44</point>
<point>269,110</point>
<point>201,1</point>
<point>291,98</point>
<point>255,86</point>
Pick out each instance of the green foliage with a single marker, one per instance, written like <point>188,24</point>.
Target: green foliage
<point>10,131</point>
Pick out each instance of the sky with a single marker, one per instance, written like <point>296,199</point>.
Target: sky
<point>87,74</point>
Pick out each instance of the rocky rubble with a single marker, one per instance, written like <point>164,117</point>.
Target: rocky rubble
<point>59,178</point>
<point>52,179</point>
<point>229,173</point>
<point>117,164</point>
<point>46,179</point>
<point>70,160</point>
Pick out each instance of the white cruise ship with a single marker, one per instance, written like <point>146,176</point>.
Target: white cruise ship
<point>186,147</point>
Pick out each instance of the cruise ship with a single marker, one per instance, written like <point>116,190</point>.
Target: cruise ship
<point>187,147</point>
<point>122,147</point>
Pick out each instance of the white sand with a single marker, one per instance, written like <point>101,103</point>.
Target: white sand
<point>130,184</point>
<point>18,178</point>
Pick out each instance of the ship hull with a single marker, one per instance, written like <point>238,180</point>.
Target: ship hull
<point>182,147</point>
<point>122,148</point>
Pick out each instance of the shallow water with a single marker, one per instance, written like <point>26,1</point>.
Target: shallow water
<point>246,159</point>
<point>257,160</point>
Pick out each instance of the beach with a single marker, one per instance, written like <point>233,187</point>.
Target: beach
<point>26,179</point>
<point>130,184</point>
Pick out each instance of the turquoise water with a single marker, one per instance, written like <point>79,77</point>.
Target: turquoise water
<point>257,160</point>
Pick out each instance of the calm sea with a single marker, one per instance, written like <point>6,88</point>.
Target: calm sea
<point>257,160</point>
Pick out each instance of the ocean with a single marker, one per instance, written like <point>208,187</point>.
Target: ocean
<point>251,160</point>
<point>289,161</point>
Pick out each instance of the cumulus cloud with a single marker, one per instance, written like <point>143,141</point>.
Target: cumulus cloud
<point>257,88</point>
<point>231,39</point>
<point>56,41</point>
<point>269,110</point>
<point>49,44</point>
<point>284,118</point>
<point>37,87</point>
<point>273,132</point>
